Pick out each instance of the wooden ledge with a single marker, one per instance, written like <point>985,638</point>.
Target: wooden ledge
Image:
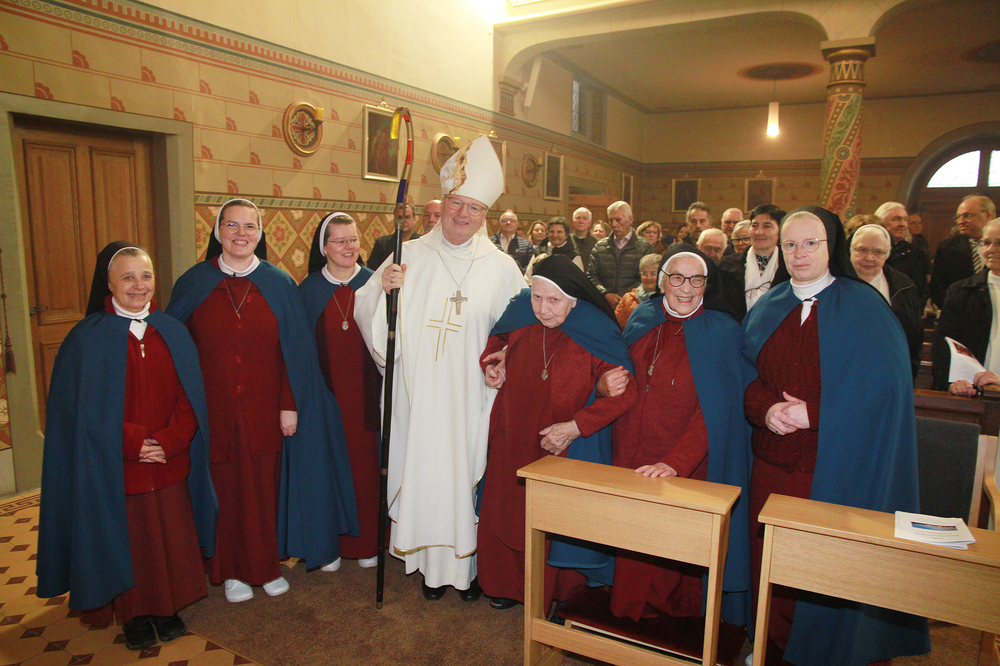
<point>702,496</point>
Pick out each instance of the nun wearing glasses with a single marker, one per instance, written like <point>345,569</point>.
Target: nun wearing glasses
<point>335,274</point>
<point>831,405</point>
<point>278,453</point>
<point>688,422</point>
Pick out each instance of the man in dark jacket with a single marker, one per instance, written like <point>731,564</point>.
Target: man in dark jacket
<point>582,238</point>
<point>905,256</point>
<point>967,317</point>
<point>955,259</point>
<point>385,245</point>
<point>508,241</point>
<point>614,261</point>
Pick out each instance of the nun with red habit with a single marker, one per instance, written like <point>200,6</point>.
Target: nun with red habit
<point>126,497</point>
<point>350,373</point>
<point>546,355</point>
<point>278,453</point>
<point>688,421</point>
<point>831,405</point>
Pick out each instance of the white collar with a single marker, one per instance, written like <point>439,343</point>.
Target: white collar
<point>673,314</point>
<point>333,280</point>
<point>451,246</point>
<point>138,325</point>
<point>809,290</point>
<point>993,279</point>
<point>229,270</point>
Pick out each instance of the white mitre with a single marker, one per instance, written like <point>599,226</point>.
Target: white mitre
<point>475,172</point>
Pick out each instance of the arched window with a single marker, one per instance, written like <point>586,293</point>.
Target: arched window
<point>977,168</point>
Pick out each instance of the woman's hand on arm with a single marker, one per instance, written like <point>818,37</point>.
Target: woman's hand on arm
<point>613,382</point>
<point>558,436</point>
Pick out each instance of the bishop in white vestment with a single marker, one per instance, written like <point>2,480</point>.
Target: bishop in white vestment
<point>457,284</point>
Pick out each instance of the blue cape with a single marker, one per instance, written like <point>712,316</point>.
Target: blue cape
<point>83,544</point>
<point>317,291</point>
<point>713,343</point>
<point>316,497</point>
<point>867,455</point>
<point>599,335</point>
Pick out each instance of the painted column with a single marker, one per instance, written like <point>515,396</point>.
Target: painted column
<point>841,165</point>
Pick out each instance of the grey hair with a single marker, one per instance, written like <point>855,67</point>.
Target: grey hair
<point>619,205</point>
<point>652,259</point>
<point>883,210</point>
<point>876,229</point>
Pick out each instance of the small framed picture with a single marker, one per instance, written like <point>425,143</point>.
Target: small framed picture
<point>553,177</point>
<point>759,191</point>
<point>627,188</point>
<point>501,148</point>
<point>685,193</point>
<point>442,148</point>
<point>380,157</point>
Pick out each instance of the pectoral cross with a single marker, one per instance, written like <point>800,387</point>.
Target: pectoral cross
<point>458,299</point>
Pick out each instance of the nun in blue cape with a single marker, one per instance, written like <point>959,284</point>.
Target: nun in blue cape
<point>861,434</point>
<point>316,491</point>
<point>560,337</point>
<point>83,538</point>
<point>709,421</point>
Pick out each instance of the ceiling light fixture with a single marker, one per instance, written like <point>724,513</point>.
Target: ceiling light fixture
<point>772,113</point>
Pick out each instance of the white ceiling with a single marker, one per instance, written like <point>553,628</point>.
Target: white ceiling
<point>694,66</point>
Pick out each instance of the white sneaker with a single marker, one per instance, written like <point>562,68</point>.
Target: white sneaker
<point>237,591</point>
<point>368,562</point>
<point>332,566</point>
<point>276,587</point>
<point>749,660</point>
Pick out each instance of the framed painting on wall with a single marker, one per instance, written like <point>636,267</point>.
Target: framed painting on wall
<point>759,191</point>
<point>553,177</point>
<point>380,154</point>
<point>501,148</point>
<point>685,193</point>
<point>627,188</point>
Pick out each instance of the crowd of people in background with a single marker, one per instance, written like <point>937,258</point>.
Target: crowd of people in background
<point>776,353</point>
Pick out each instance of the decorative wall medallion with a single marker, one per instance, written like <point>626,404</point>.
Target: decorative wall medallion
<point>530,166</point>
<point>302,126</point>
<point>442,148</point>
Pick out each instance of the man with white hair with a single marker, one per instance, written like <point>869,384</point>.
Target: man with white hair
<point>904,256</point>
<point>582,238</point>
<point>713,243</point>
<point>730,217</point>
<point>614,262</point>
<point>870,247</point>
<point>457,284</point>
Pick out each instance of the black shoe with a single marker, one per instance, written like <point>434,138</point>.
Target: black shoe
<point>502,603</point>
<point>473,593</point>
<point>139,633</point>
<point>168,628</point>
<point>434,593</point>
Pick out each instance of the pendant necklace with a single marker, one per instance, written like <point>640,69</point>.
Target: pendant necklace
<point>244,299</point>
<point>457,299</point>
<point>350,298</point>
<point>649,371</point>
<point>545,368</point>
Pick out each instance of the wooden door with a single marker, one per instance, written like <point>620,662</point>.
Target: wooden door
<point>80,188</point>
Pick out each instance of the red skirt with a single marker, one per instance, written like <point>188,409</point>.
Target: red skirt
<point>501,573</point>
<point>166,559</point>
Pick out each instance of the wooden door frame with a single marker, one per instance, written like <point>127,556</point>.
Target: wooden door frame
<point>173,185</point>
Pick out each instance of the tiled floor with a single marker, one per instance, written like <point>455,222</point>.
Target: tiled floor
<point>45,632</point>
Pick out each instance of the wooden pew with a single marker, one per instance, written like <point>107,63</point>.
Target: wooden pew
<point>983,410</point>
<point>678,519</point>
<point>852,554</point>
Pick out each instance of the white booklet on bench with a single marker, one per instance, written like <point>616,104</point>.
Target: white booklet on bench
<point>950,532</point>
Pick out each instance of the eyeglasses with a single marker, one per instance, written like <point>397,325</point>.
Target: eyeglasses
<point>809,245</point>
<point>876,252</point>
<point>754,291</point>
<point>676,280</point>
<point>967,216</point>
<point>249,228</point>
<point>454,205</point>
<point>344,242</point>
<point>744,239</point>
<point>648,274</point>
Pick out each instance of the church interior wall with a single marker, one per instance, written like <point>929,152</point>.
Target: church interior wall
<point>231,70</point>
